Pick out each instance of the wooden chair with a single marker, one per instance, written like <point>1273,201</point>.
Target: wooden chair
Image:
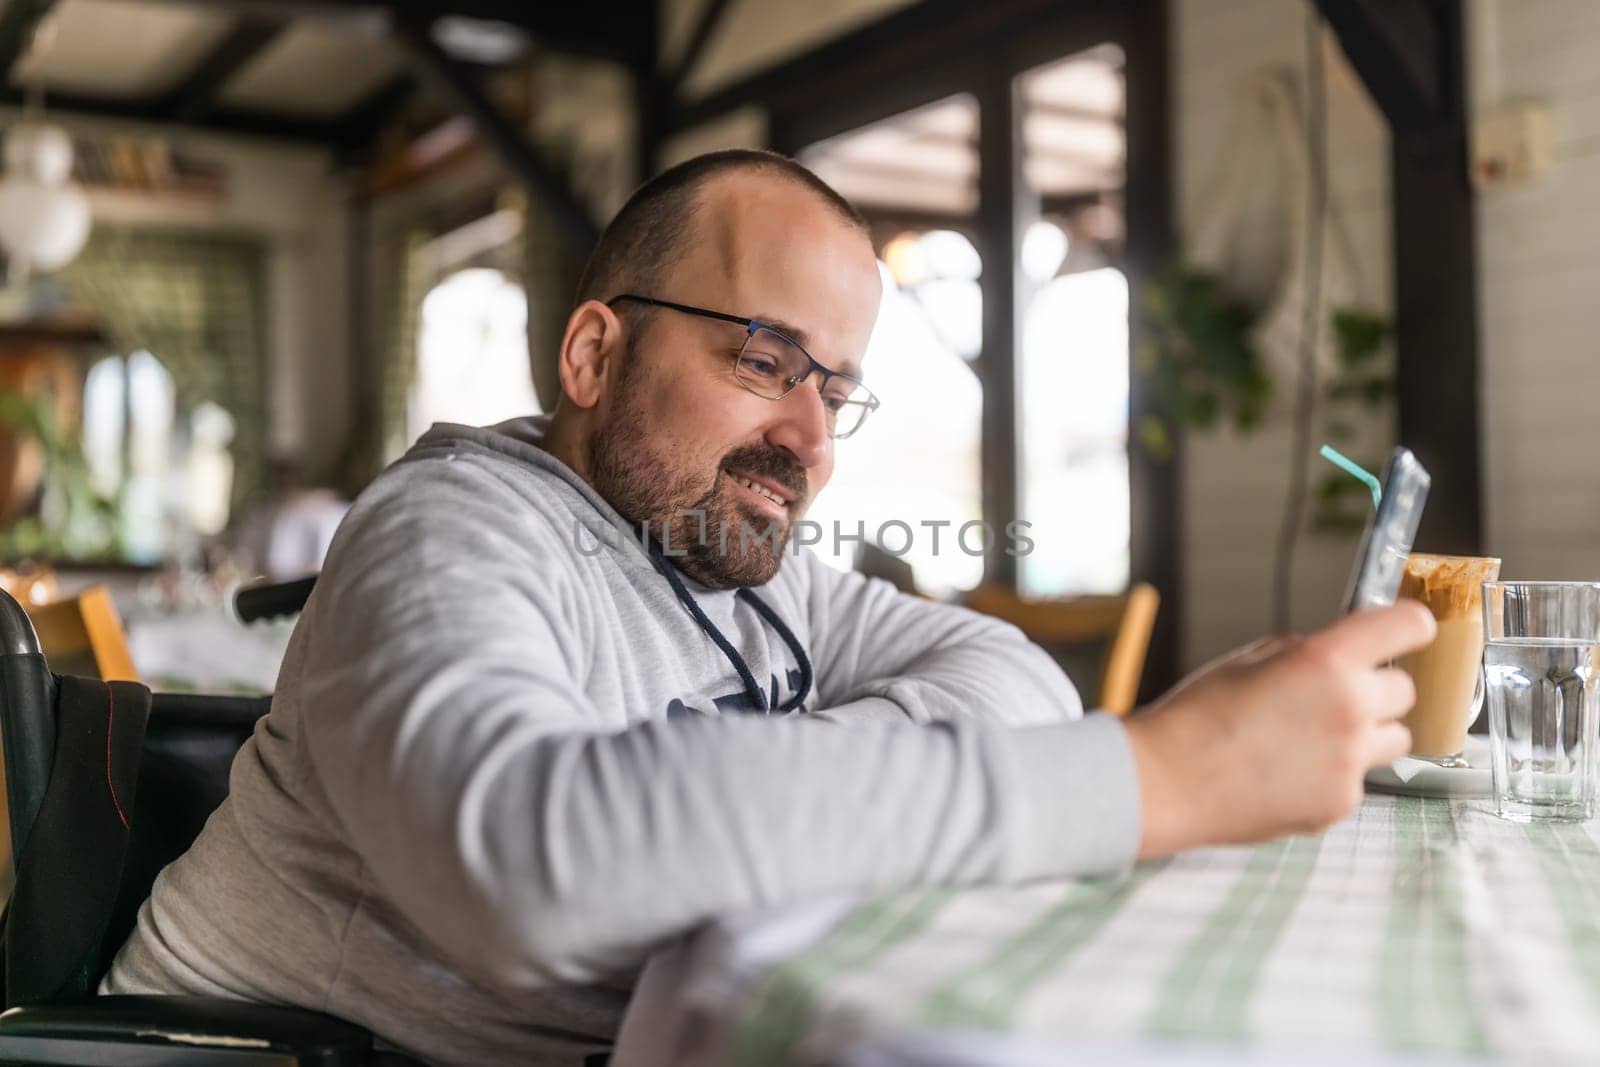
<point>874,562</point>
<point>1122,623</point>
<point>83,635</point>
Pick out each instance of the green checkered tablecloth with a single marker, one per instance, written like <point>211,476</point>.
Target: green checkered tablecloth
<point>1415,926</point>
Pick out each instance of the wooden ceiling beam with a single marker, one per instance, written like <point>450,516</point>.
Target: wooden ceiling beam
<point>231,122</point>
<point>899,47</point>
<point>195,96</point>
<point>361,126</point>
<point>458,85</point>
<point>1395,46</point>
<point>704,29</point>
<point>1412,57</point>
<point>16,31</point>
<point>623,32</point>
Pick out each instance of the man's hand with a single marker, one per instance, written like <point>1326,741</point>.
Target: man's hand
<point>1276,738</point>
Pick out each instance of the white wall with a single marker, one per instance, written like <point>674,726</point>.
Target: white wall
<point>1539,271</point>
<point>1539,275</point>
<point>1234,489</point>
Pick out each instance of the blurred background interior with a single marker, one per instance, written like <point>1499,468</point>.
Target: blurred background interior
<point>1141,257</point>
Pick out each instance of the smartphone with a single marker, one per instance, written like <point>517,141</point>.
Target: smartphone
<point>1386,542</point>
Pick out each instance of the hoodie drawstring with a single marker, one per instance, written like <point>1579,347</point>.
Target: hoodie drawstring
<point>757,695</point>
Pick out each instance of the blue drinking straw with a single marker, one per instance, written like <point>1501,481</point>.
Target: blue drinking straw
<point>1350,466</point>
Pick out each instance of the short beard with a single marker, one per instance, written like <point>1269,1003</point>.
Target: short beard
<point>705,531</point>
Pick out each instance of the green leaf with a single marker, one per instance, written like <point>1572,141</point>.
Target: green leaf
<point>1153,435</point>
<point>1359,335</point>
<point>74,521</point>
<point>1199,355</point>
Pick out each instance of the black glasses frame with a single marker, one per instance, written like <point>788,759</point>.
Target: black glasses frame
<point>870,402</point>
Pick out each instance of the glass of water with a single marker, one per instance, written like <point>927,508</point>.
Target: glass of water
<point>1541,665</point>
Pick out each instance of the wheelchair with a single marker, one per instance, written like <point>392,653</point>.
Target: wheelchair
<point>74,904</point>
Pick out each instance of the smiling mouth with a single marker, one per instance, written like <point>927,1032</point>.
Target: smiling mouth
<point>759,489</point>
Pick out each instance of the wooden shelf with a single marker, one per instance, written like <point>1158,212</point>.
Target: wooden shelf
<point>71,332</point>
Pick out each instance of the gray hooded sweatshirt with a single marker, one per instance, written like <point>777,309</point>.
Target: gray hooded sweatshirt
<point>503,764</point>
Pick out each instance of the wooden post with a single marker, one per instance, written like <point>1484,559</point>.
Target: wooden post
<point>1001,189</point>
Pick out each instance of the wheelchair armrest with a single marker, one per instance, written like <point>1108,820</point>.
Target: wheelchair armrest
<point>124,1031</point>
<point>269,600</point>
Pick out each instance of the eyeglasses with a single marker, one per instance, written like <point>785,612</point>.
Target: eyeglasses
<point>771,363</point>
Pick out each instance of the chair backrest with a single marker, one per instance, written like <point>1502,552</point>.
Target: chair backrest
<point>188,749</point>
<point>874,562</point>
<point>83,635</point>
<point>27,722</point>
<point>1122,624</point>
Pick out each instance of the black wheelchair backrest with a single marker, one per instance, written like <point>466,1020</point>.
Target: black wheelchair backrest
<point>27,719</point>
<point>183,763</point>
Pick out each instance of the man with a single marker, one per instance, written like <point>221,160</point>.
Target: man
<point>549,709</point>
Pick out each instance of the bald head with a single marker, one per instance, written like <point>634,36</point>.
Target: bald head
<point>667,217</point>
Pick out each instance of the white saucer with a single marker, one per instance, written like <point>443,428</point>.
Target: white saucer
<point>1419,778</point>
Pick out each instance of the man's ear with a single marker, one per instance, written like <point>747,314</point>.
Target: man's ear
<point>593,339</point>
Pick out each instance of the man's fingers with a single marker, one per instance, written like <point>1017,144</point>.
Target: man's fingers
<point>1392,692</point>
<point>1377,635</point>
<point>1389,742</point>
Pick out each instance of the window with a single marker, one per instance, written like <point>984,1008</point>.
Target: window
<point>1072,347</point>
<point>472,353</point>
<point>169,472</point>
<point>915,178</point>
<point>1073,381</point>
<point>1021,142</point>
<point>916,461</point>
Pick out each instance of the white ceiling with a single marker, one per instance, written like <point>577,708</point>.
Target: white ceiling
<point>106,48</point>
<point>927,159</point>
<point>312,71</point>
<point>132,50</point>
<point>1091,81</point>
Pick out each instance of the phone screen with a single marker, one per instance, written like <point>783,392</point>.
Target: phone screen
<point>1386,542</point>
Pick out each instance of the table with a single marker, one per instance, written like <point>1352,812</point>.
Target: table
<point>1414,931</point>
<point>206,650</point>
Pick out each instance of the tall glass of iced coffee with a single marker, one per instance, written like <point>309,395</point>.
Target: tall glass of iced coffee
<point>1448,673</point>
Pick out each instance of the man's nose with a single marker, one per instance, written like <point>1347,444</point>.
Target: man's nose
<point>802,429</point>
